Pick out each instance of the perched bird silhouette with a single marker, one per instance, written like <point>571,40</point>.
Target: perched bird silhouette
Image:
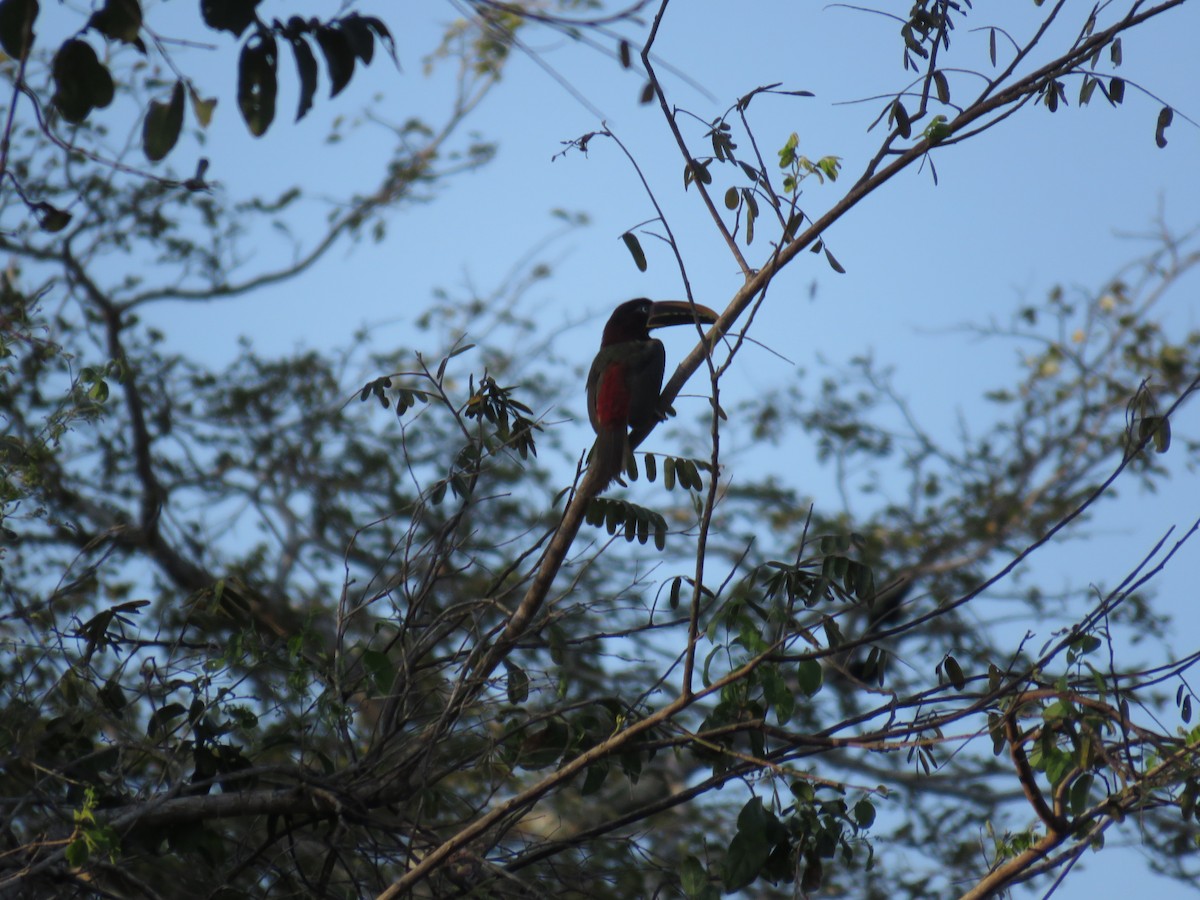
<point>624,385</point>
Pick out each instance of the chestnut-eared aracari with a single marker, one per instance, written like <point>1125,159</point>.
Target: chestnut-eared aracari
<point>625,381</point>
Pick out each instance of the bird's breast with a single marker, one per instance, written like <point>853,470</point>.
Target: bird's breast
<point>612,397</point>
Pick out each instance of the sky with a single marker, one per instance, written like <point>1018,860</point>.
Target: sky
<point>1042,199</point>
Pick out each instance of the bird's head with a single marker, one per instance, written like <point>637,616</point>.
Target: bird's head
<point>633,319</point>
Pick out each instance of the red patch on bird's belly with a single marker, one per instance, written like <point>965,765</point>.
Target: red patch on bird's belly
<point>612,398</point>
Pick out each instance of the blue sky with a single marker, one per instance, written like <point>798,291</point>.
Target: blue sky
<point>1039,200</point>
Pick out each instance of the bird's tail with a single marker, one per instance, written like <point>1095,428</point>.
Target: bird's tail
<point>609,452</point>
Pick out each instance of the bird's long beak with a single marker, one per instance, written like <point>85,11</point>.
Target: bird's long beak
<point>679,312</point>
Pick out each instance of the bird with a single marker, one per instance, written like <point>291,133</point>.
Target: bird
<point>624,384</point>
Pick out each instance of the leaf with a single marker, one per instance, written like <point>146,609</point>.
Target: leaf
<point>381,32</point>
<point>82,83</point>
<point>1116,91</point>
<point>160,717</point>
<point>383,673</point>
<point>900,117</point>
<point>120,20</point>
<point>163,122</point>
<point>1114,52</point>
<point>1086,90</point>
<point>792,228</point>
<point>202,107</point>
<point>833,633</point>
<point>257,83</point>
<point>339,57</point>
<point>864,813</point>
<point>697,171</point>
<point>942,86</point>
<point>77,852</point>
<point>635,250</point>
<point>809,676</point>
<point>1165,116</point>
<point>954,672</point>
<point>51,218</point>
<point>358,33</point>
<point>306,68</point>
<point>731,198</point>
<point>594,780</point>
<point>743,861</point>
<point>810,881</point>
<point>676,590</point>
<point>234,16</point>
<point>833,263</point>
<point>16,26</point>
<point>647,94</point>
<point>692,877</point>
<point>778,695</point>
<point>518,683</point>
<point>624,54</point>
<point>992,46</point>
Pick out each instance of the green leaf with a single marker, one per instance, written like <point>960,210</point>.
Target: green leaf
<point>77,852</point>
<point>752,819</point>
<point>234,16</point>
<point>900,117</point>
<point>1114,52</point>
<point>306,66</point>
<point>339,57</point>
<point>517,682</point>
<point>81,81</point>
<point>833,263</point>
<point>624,54</point>
<point>1116,91</point>
<point>597,773</point>
<point>692,877</point>
<point>743,861</point>
<point>833,633</point>
<point>942,86</point>
<point>163,122</point>
<point>203,108</point>
<point>864,813</point>
<point>16,26</point>
<point>809,676</point>
<point>157,725</point>
<point>51,218</point>
<point>381,32</point>
<point>120,20</point>
<point>731,198</point>
<point>635,250</point>
<point>778,695</point>
<point>1080,793</point>
<point>357,30</point>
<point>257,83</point>
<point>1087,89</point>
<point>697,171</point>
<point>814,873</point>
<point>380,667</point>
<point>1165,116</point>
<point>954,672</point>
